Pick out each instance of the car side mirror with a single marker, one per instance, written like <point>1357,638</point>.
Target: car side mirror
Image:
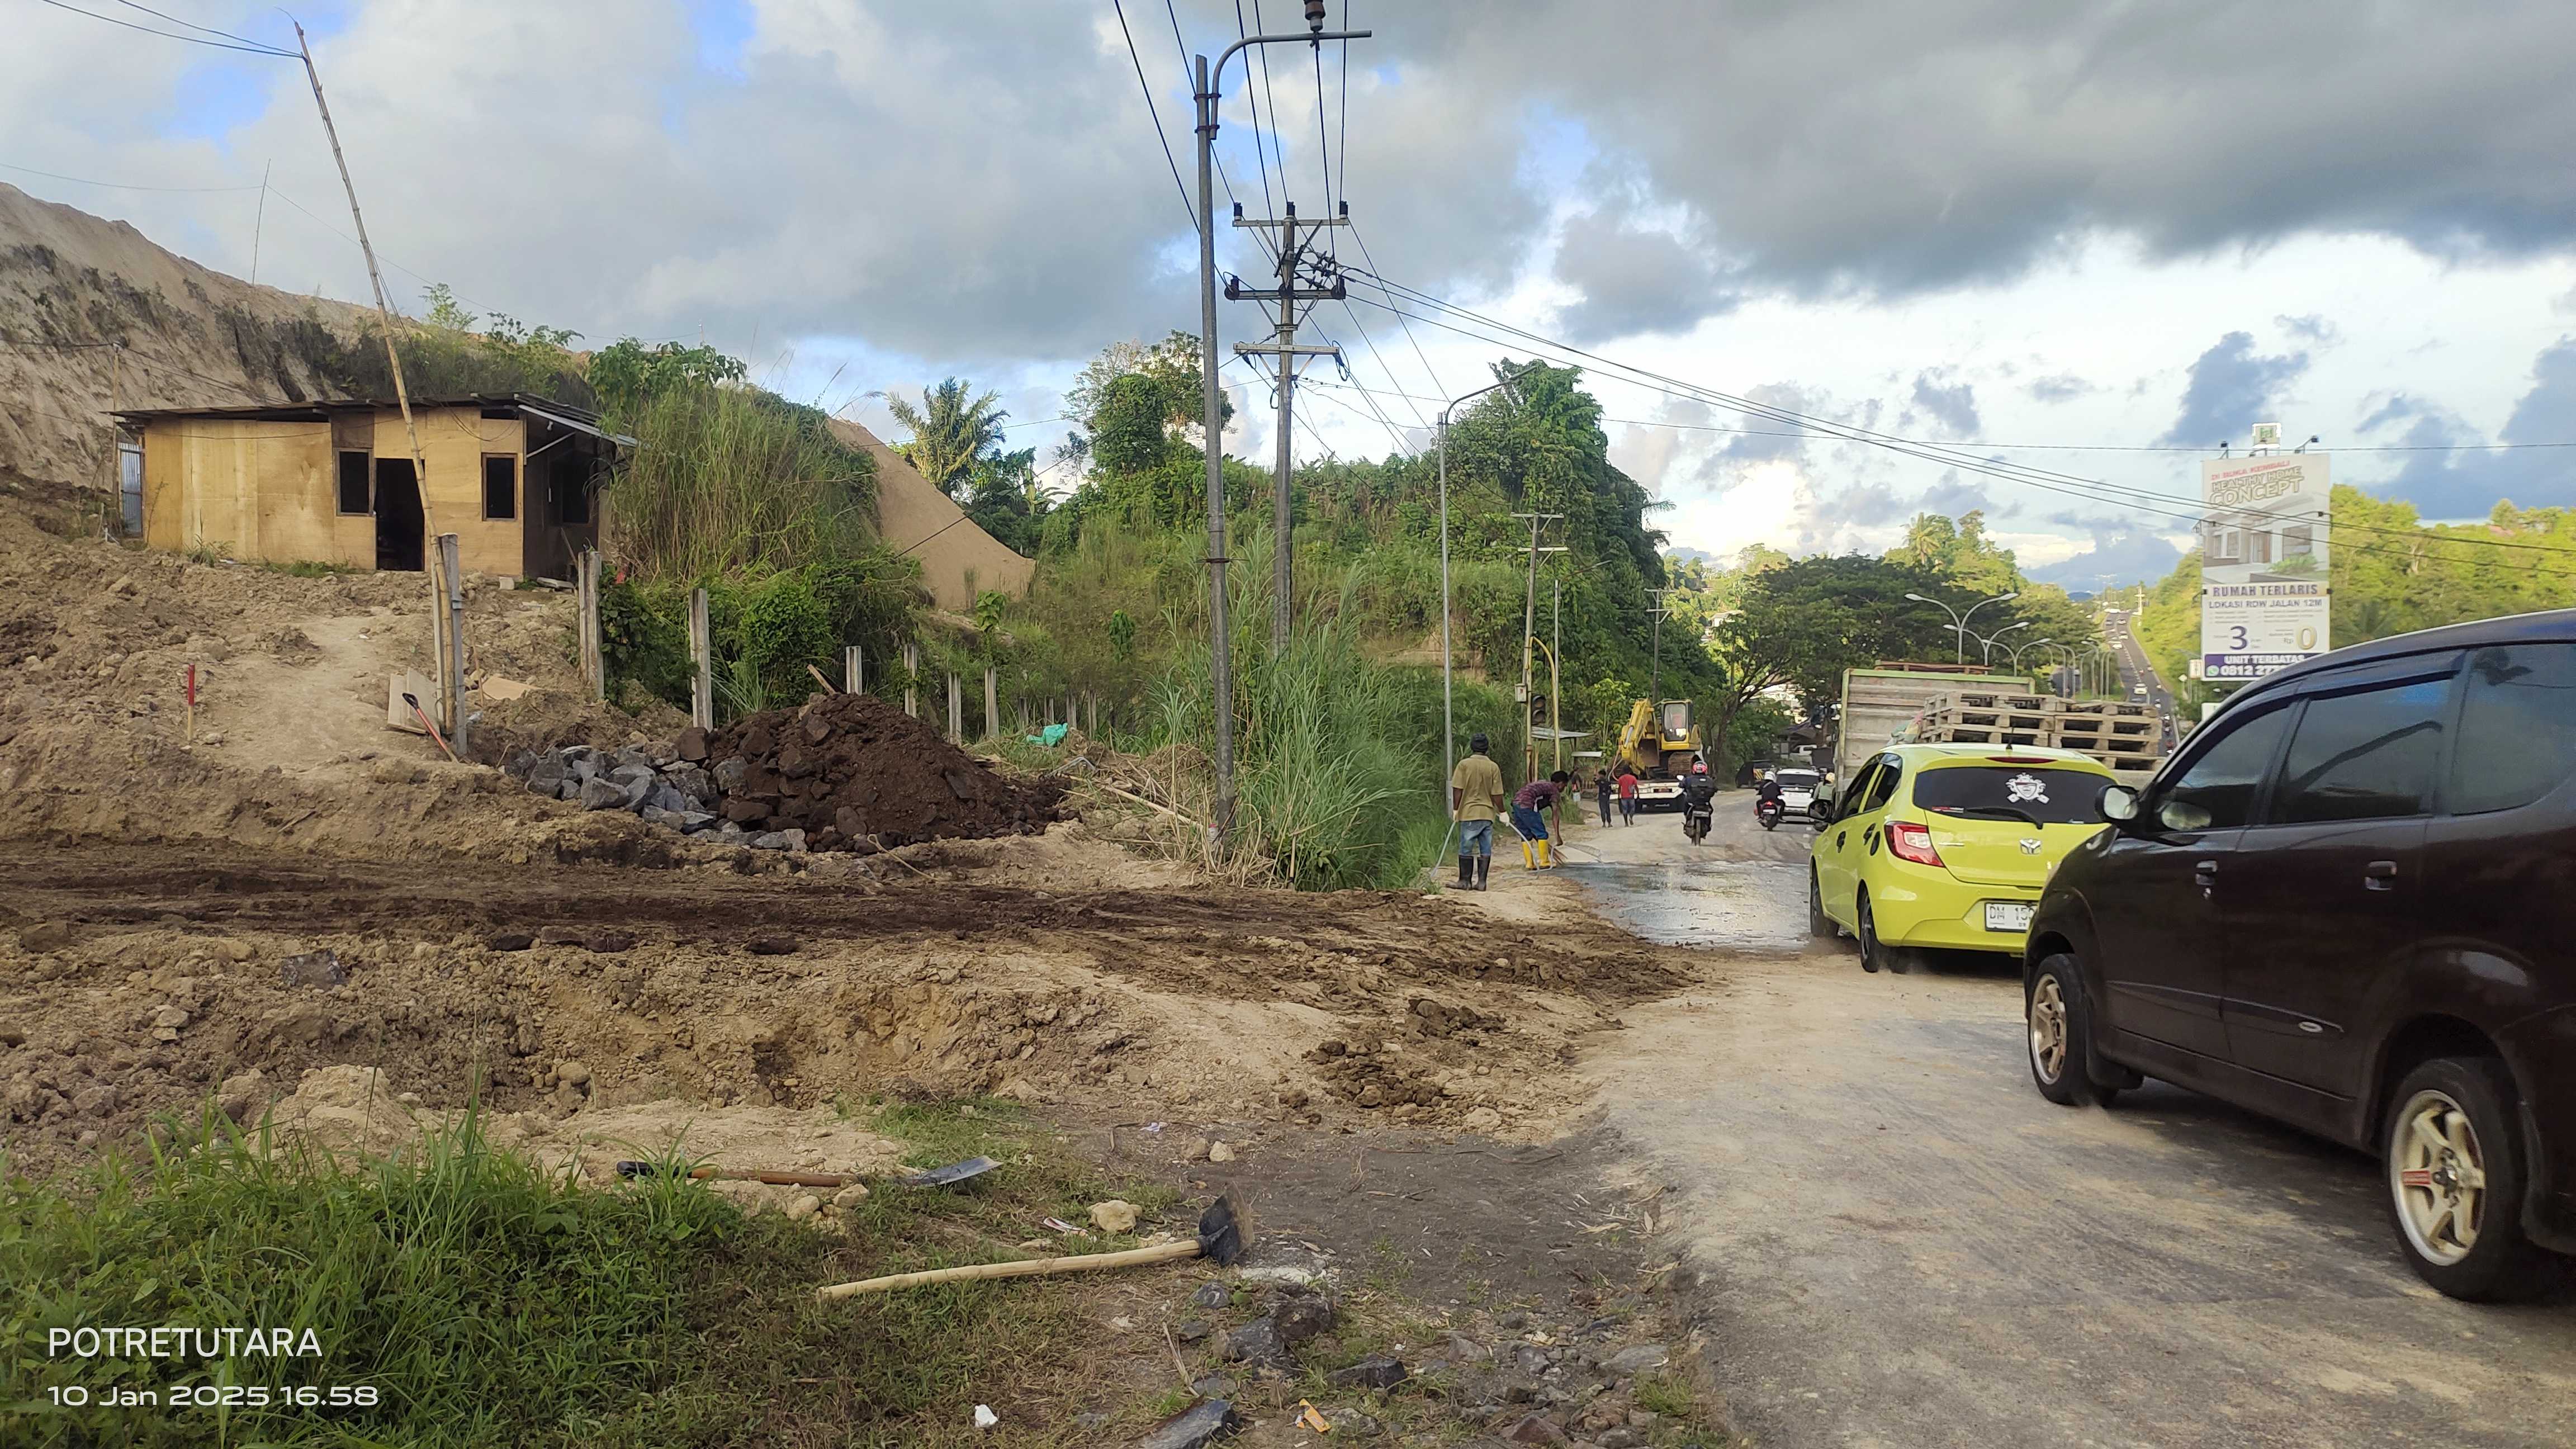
<point>2118,804</point>
<point>2183,816</point>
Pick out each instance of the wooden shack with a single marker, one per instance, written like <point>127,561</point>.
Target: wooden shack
<point>517,479</point>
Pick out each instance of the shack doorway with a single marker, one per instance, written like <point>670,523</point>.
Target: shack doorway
<point>400,533</point>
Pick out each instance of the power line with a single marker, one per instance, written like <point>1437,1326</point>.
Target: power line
<point>203,30</point>
<point>1182,49</point>
<point>2091,488</point>
<point>1156,115</point>
<point>248,47</point>
<point>1342,184</point>
<point>113,185</point>
<point>1269,207</point>
<point>1324,144</point>
<point>1407,324</point>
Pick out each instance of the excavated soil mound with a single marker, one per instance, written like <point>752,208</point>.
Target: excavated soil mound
<point>854,772</point>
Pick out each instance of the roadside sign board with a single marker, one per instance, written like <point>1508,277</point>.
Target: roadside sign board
<point>2264,602</point>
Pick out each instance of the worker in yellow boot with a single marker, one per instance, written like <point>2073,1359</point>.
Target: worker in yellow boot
<point>1540,795</point>
<point>1476,800</point>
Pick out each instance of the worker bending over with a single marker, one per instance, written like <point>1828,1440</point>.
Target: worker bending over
<point>1538,795</point>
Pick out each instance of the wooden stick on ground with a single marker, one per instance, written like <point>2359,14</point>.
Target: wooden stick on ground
<point>1025,1268</point>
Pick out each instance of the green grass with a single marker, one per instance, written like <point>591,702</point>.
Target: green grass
<point>488,1303</point>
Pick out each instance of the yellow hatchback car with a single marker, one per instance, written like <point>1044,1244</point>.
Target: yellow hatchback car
<point>1947,846</point>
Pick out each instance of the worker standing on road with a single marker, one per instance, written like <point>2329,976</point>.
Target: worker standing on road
<point>1627,796</point>
<point>1476,799</point>
<point>1538,795</point>
<point>1603,787</point>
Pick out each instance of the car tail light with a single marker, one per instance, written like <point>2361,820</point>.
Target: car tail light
<point>1909,841</point>
<point>2023,760</point>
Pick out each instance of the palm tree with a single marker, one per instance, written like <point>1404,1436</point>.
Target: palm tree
<point>949,431</point>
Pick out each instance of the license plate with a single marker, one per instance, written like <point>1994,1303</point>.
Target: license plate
<point>2007,916</point>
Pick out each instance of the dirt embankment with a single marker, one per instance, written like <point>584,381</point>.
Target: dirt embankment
<point>1055,969</point>
<point>185,335</point>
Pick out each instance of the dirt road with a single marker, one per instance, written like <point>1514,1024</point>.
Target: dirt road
<point>1905,1246</point>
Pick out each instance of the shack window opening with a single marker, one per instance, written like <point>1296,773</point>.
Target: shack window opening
<point>500,485</point>
<point>354,490</point>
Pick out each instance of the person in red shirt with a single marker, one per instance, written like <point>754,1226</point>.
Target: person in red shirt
<point>1627,796</point>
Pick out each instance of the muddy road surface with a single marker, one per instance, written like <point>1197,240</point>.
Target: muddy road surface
<point>1904,1245</point>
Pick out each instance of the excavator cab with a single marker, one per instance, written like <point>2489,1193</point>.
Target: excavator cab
<point>1676,719</point>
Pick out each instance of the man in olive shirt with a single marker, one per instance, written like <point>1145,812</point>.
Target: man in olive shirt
<point>1476,799</point>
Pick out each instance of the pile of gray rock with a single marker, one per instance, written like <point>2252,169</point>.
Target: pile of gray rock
<point>668,785</point>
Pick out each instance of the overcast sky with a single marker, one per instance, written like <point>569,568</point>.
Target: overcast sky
<point>2113,226</point>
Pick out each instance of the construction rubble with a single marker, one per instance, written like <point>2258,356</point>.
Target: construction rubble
<point>843,772</point>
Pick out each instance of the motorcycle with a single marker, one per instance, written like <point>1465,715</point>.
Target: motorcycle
<point>1769,812</point>
<point>1697,816</point>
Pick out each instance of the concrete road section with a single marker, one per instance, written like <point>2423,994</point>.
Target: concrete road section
<point>1905,1246</point>
<point>2135,672</point>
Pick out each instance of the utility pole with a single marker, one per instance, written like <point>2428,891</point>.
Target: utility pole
<point>1655,688</point>
<point>1555,671</point>
<point>1529,625</point>
<point>1284,353</point>
<point>1206,92</point>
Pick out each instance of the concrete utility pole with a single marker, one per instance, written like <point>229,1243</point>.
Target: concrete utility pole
<point>1655,689</point>
<point>1285,353</point>
<point>1448,713</point>
<point>1210,82</point>
<point>1529,623</point>
<point>1555,664</point>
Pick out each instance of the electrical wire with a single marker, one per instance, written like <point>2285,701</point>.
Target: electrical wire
<point>1278,137</point>
<point>1269,207</point>
<point>113,185</point>
<point>1188,79</point>
<point>247,47</point>
<point>203,30</point>
<point>2092,489</point>
<point>1342,183</point>
<point>1425,357</point>
<point>1324,147</point>
<point>1156,115</point>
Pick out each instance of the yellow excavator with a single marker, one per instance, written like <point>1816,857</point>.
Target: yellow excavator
<point>1658,743</point>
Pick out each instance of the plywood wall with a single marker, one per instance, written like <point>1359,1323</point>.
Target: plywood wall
<point>453,442</point>
<point>269,491</point>
<point>254,490</point>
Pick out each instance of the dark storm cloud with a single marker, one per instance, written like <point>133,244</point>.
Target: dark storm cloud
<point>1634,280</point>
<point>1957,497</point>
<point>2468,482</point>
<point>2118,555</point>
<point>1951,404</point>
<point>1903,146</point>
<point>2231,387</point>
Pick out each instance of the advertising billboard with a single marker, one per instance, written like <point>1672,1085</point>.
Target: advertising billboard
<point>2264,600</point>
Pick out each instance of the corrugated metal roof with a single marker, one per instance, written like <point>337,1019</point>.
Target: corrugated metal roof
<point>578,419</point>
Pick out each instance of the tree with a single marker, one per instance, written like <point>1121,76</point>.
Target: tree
<point>1803,623</point>
<point>950,431</point>
<point>1171,367</point>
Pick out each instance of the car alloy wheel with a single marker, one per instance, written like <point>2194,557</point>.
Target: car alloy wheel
<point>1867,930</point>
<point>2048,1030</point>
<point>2438,1174</point>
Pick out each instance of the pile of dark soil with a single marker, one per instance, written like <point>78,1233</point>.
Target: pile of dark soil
<point>855,773</point>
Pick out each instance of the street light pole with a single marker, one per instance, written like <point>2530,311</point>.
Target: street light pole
<point>1448,720</point>
<point>1959,621</point>
<point>1220,673</point>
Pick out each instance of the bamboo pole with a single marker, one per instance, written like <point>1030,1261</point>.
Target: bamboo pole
<point>441,646</point>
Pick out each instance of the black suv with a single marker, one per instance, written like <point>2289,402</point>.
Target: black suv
<point>2349,903</point>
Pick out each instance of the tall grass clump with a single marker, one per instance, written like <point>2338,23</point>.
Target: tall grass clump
<point>727,477</point>
<point>1329,794</point>
<point>479,1299</point>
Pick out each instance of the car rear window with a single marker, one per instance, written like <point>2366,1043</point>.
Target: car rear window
<point>2517,727</point>
<point>2034,794</point>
